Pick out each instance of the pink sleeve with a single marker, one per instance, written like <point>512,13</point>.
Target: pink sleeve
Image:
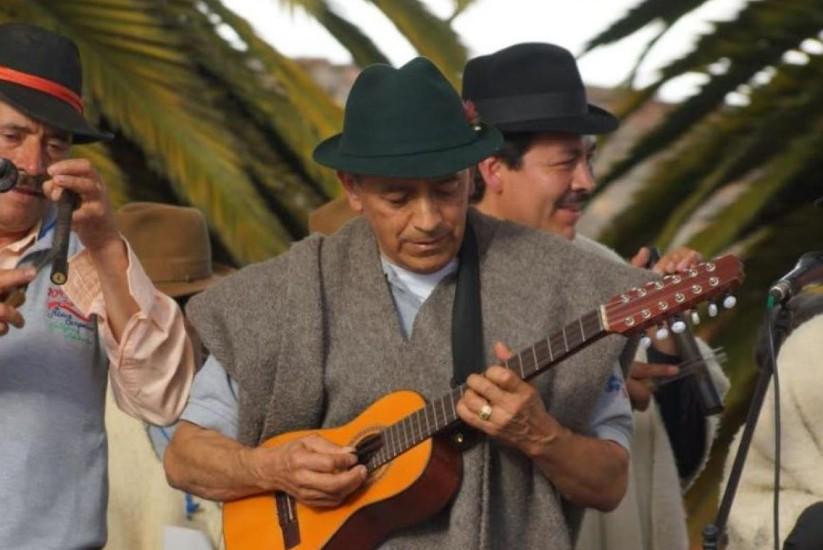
<point>152,367</point>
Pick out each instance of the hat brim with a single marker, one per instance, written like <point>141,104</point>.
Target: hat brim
<point>52,111</point>
<point>596,121</point>
<point>176,289</point>
<point>427,164</point>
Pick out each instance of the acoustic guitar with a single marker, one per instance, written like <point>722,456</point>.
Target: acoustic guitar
<point>414,469</point>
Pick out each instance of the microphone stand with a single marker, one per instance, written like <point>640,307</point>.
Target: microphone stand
<point>714,534</point>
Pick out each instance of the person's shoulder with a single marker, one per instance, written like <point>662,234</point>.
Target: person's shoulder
<point>598,248</point>
<point>513,237</point>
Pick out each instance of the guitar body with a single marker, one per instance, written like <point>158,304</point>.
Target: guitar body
<point>411,488</point>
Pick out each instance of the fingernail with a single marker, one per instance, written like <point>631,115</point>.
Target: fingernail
<point>29,272</point>
<point>672,370</point>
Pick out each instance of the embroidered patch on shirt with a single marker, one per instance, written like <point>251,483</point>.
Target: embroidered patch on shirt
<point>65,318</point>
<point>614,383</point>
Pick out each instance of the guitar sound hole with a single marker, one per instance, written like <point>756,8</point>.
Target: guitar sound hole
<point>367,447</point>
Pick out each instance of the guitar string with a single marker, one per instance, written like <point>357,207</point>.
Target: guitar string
<point>415,436</point>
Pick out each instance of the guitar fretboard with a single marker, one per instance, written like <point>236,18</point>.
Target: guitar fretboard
<point>441,413</point>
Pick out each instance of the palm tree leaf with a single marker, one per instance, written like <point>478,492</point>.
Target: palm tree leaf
<point>778,28</point>
<point>431,36</point>
<point>641,15</point>
<point>277,92</point>
<point>200,161</point>
<point>362,49</point>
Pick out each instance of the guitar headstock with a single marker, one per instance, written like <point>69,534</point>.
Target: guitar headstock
<point>656,301</point>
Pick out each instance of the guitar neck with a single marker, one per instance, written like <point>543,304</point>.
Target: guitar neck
<point>441,413</point>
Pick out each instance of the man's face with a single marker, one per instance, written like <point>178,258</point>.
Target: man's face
<point>32,147</point>
<point>549,189</point>
<point>419,223</point>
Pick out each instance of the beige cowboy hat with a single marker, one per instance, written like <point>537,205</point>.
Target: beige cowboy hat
<point>172,243</point>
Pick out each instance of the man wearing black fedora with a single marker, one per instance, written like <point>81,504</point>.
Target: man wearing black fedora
<point>417,292</point>
<point>542,177</point>
<point>107,323</point>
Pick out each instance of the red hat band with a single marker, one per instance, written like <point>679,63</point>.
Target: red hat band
<point>43,85</point>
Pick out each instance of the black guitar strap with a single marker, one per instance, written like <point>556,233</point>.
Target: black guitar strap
<point>467,320</point>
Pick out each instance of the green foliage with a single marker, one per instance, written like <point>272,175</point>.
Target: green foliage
<point>362,49</point>
<point>727,176</point>
<point>431,36</point>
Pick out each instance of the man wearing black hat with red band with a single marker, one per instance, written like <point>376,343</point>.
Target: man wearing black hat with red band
<point>542,177</point>
<point>106,323</point>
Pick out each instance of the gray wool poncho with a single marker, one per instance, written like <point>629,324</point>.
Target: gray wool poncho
<point>312,338</point>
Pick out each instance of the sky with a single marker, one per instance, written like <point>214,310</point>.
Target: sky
<point>489,25</point>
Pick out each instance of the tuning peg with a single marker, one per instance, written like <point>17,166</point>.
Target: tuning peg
<point>678,327</point>
<point>729,301</point>
<point>662,333</point>
<point>695,318</point>
<point>712,309</point>
<point>645,342</point>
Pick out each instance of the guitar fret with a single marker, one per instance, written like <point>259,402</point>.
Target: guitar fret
<point>390,445</point>
<point>451,400</point>
<point>443,406</point>
<point>396,440</point>
<point>427,421</point>
<point>426,417</point>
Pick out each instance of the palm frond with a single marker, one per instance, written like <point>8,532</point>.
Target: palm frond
<point>431,36</point>
<point>758,39</point>
<point>286,104</point>
<point>362,49</point>
<point>641,15</point>
<point>181,137</point>
<point>459,7</point>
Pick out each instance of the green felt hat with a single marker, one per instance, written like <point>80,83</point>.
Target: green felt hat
<point>406,123</point>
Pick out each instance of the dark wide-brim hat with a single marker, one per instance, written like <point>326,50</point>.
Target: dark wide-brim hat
<point>40,76</point>
<point>406,123</point>
<point>533,87</point>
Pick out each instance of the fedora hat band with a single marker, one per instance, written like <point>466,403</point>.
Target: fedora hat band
<point>526,107</point>
<point>43,85</point>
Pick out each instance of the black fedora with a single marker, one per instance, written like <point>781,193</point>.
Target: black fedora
<point>40,76</point>
<point>406,123</point>
<point>533,87</point>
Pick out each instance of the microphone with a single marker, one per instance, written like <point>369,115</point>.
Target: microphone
<point>66,205</point>
<point>8,175</point>
<point>808,270</point>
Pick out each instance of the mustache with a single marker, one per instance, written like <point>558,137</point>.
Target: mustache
<point>32,182</point>
<point>574,198</point>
